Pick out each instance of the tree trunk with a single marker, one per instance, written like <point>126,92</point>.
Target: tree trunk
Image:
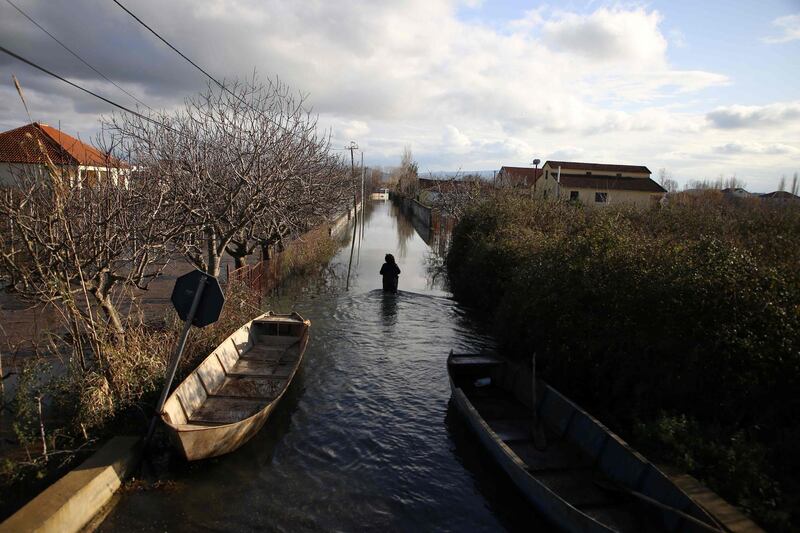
<point>213,262</point>
<point>111,313</point>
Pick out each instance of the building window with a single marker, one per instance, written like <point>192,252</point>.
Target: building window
<point>588,173</point>
<point>601,197</point>
<point>573,196</point>
<point>619,174</point>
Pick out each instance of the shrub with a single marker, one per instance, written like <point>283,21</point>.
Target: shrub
<point>686,309</point>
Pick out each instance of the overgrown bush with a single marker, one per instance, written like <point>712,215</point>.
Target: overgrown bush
<point>688,309</point>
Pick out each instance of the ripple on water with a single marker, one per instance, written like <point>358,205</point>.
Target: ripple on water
<point>364,440</point>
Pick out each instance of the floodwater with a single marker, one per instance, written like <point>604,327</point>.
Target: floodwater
<point>365,439</point>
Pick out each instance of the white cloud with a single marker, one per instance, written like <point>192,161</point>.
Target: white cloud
<point>789,27</point>
<point>629,37</point>
<point>453,138</point>
<point>740,117</point>
<point>756,148</point>
<point>599,85</point>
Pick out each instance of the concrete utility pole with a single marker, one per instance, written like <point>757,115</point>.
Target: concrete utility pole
<point>353,147</point>
<point>363,175</point>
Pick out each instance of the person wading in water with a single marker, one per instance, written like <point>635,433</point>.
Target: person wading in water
<point>390,271</point>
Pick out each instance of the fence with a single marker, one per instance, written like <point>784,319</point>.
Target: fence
<point>255,280</point>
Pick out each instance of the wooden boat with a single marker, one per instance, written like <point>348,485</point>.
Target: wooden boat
<point>229,396</point>
<point>583,477</point>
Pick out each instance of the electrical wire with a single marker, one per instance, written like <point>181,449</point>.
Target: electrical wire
<point>212,78</point>
<point>103,98</point>
<point>68,49</point>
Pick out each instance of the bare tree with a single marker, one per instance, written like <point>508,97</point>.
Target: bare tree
<point>665,180</point>
<point>71,245</point>
<point>228,159</point>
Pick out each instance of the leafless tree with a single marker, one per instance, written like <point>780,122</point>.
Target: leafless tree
<point>665,180</point>
<point>71,245</point>
<point>230,159</point>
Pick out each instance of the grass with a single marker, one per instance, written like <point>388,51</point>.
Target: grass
<point>84,406</point>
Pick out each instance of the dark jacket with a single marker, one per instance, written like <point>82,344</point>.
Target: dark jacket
<point>390,272</point>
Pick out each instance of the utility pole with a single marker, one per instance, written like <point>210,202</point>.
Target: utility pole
<point>353,147</point>
<point>363,172</point>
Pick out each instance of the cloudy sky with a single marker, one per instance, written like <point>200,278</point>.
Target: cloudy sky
<point>700,88</point>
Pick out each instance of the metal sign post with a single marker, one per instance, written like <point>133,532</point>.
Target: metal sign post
<point>200,312</point>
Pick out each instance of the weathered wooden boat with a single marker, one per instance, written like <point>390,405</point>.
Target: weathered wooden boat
<point>573,469</point>
<point>229,396</point>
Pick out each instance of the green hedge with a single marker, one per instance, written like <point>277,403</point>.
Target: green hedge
<point>678,326</point>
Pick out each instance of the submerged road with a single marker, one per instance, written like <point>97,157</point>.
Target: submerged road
<point>365,439</point>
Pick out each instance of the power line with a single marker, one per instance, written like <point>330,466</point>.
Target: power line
<point>195,65</point>
<point>68,49</point>
<point>103,98</point>
<point>212,78</point>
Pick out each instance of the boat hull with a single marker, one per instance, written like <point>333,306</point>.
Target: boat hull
<point>199,432</point>
<point>586,478</point>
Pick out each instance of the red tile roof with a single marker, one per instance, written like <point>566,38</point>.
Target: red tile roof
<point>572,165</point>
<point>519,175</point>
<point>611,183</point>
<point>30,143</point>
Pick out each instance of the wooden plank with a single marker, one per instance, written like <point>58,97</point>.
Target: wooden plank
<point>554,457</point>
<point>225,410</point>
<point>576,485</point>
<point>466,360</point>
<point>518,429</point>
<point>268,369</point>
<point>245,386</point>
<point>498,408</point>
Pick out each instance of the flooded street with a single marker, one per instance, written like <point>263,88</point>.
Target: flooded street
<point>364,439</point>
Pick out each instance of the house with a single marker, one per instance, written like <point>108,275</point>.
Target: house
<point>27,150</point>
<point>781,196</point>
<point>598,184</point>
<point>518,176</point>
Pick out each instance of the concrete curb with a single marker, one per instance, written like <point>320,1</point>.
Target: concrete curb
<point>70,503</point>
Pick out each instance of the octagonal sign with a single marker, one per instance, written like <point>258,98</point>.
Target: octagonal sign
<point>211,299</point>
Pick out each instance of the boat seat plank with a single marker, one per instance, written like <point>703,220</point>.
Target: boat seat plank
<point>271,353</point>
<point>512,430</point>
<point>250,387</point>
<point>466,360</point>
<point>576,486</point>
<point>245,367</point>
<point>623,517</point>
<point>275,340</point>
<point>554,457</point>
<point>498,406</point>
<point>225,410</point>
<point>281,319</point>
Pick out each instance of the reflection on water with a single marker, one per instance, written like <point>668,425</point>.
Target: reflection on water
<point>365,440</point>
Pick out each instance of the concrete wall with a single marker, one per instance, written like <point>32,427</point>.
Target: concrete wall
<point>420,212</point>
<point>338,225</point>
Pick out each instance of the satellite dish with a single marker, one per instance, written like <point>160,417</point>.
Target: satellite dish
<point>536,162</point>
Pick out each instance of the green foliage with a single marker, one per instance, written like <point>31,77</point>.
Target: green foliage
<point>689,309</point>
